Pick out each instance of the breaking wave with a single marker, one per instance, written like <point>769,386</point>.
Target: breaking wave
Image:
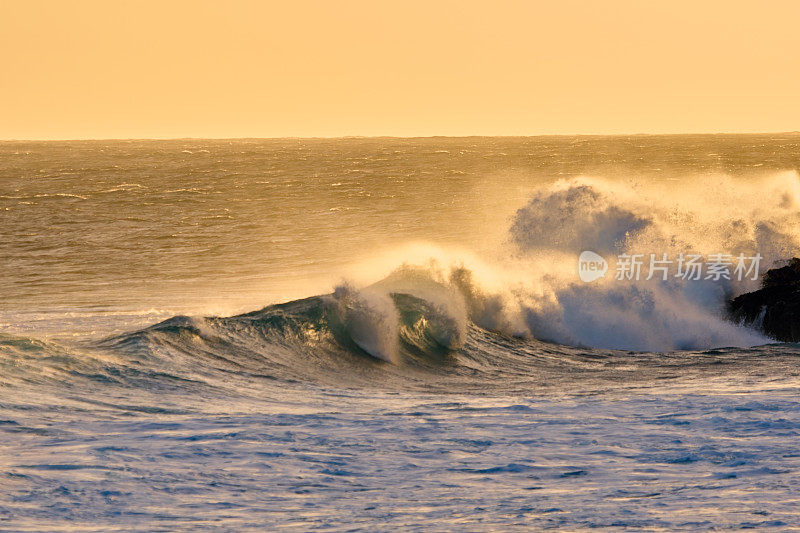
<point>530,288</point>
<point>446,318</point>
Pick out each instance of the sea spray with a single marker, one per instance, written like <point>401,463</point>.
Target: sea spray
<point>370,319</point>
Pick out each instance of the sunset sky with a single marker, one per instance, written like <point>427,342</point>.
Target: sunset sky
<point>152,69</point>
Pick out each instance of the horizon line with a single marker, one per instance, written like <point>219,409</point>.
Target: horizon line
<point>435,136</point>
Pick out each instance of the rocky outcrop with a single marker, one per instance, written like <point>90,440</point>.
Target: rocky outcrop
<point>775,308</point>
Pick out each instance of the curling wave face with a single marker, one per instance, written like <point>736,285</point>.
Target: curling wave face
<point>342,340</point>
<point>421,328</point>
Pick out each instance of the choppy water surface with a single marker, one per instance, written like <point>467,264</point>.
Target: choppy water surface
<point>389,333</point>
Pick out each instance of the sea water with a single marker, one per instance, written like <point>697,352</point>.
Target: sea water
<point>380,333</point>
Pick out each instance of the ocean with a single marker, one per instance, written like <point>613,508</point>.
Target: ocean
<point>385,333</point>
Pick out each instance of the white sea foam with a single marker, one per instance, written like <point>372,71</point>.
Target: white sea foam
<point>530,286</point>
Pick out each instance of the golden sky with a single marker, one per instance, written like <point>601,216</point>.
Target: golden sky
<point>147,69</point>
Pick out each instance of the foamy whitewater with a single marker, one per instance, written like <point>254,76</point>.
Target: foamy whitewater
<point>386,334</point>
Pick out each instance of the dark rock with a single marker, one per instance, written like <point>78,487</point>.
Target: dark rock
<point>775,308</point>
